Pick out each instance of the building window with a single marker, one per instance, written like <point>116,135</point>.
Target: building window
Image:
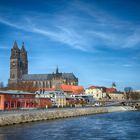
<point>22,96</point>
<point>12,105</point>
<point>18,96</point>
<point>13,96</point>
<point>6,104</point>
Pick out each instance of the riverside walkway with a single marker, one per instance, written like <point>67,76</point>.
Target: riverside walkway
<point>10,118</point>
<point>34,110</point>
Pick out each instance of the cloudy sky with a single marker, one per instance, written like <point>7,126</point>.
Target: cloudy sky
<point>97,40</point>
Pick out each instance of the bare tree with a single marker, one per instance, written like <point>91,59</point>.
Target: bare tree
<point>128,89</point>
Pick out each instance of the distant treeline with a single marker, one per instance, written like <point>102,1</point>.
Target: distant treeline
<point>132,95</point>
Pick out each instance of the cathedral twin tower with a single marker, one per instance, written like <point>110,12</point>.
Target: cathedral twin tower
<point>19,72</point>
<point>18,63</point>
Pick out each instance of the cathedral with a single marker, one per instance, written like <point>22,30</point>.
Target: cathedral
<point>19,72</point>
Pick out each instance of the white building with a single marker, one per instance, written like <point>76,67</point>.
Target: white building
<point>58,98</point>
<point>88,98</point>
<point>96,92</point>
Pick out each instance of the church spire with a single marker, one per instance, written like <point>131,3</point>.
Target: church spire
<point>23,48</point>
<point>15,46</point>
<point>57,70</point>
<point>113,85</point>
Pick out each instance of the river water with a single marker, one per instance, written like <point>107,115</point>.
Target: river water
<point>111,126</point>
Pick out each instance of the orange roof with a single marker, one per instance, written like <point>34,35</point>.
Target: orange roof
<point>91,87</point>
<point>46,89</point>
<point>72,89</point>
<point>110,90</point>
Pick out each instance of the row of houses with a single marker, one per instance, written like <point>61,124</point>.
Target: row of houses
<point>66,95</point>
<point>12,100</point>
<point>101,93</point>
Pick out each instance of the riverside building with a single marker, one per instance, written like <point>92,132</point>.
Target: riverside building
<point>97,92</point>
<point>58,98</point>
<point>12,100</point>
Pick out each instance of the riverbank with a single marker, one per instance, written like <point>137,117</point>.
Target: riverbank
<point>39,115</point>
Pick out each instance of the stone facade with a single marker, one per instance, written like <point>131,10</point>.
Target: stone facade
<point>116,96</point>
<point>19,72</point>
<point>18,63</point>
<point>38,115</point>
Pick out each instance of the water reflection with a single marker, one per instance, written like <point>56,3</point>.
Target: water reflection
<point>112,126</point>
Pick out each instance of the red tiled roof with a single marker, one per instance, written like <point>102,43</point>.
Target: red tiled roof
<point>91,87</point>
<point>110,90</point>
<point>72,89</point>
<point>46,89</point>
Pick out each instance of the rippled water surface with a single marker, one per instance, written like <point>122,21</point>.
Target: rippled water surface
<point>111,126</point>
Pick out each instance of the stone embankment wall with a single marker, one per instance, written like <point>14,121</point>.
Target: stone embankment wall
<point>38,115</point>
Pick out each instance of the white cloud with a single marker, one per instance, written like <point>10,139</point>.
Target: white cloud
<point>79,32</point>
<point>6,22</point>
<point>132,40</point>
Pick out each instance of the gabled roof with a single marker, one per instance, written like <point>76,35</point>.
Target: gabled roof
<point>72,89</point>
<point>68,76</point>
<point>110,90</point>
<point>98,87</point>
<point>47,89</point>
<point>92,87</point>
<point>36,77</point>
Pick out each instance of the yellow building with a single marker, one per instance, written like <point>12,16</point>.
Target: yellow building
<point>116,96</point>
<point>97,92</point>
<point>58,98</point>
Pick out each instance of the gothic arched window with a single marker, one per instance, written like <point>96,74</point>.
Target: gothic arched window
<point>13,76</point>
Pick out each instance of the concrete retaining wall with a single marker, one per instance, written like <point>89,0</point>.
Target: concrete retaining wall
<point>38,115</point>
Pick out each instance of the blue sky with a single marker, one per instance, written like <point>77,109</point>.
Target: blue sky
<point>97,40</point>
